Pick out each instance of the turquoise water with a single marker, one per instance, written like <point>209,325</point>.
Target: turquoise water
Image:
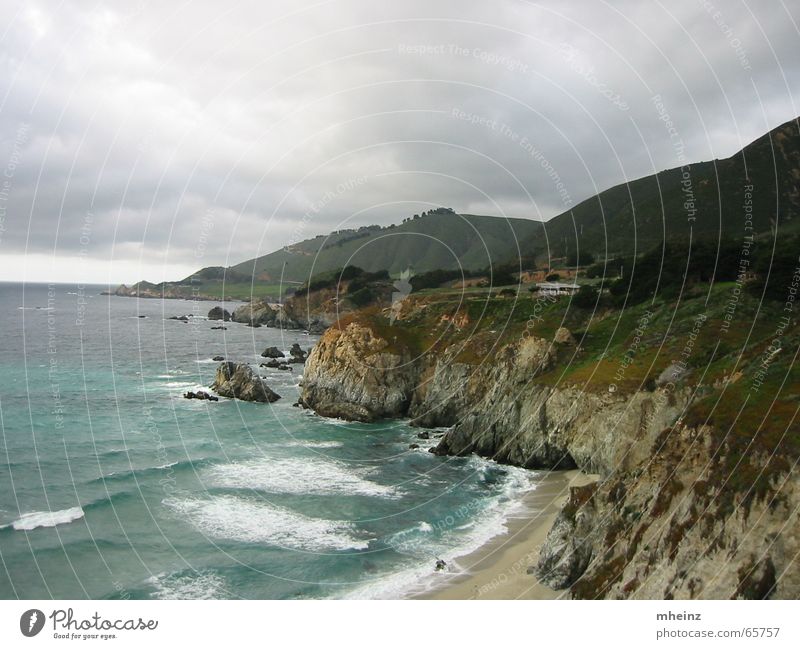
<point>113,485</point>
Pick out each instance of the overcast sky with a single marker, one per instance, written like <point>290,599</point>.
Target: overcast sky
<point>144,140</point>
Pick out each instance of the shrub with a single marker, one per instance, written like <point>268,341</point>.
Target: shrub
<point>586,297</point>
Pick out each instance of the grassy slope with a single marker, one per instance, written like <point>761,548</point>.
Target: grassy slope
<point>652,207</point>
<point>748,421</point>
<point>428,243</point>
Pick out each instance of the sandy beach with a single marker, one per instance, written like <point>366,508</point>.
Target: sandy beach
<point>499,569</point>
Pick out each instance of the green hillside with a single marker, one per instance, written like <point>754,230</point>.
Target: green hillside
<point>754,192</point>
<point>439,239</point>
<point>706,200</point>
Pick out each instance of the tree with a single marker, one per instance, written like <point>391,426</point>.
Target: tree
<point>584,258</point>
<point>586,297</point>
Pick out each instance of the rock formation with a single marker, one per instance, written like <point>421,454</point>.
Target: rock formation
<point>353,374</point>
<point>297,354</point>
<point>238,381</point>
<point>659,523</point>
<point>272,352</point>
<point>200,394</point>
<point>218,313</point>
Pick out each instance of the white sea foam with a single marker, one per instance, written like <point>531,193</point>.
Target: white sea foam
<point>298,443</point>
<point>300,475</point>
<point>204,585</point>
<point>239,519</point>
<point>32,520</point>
<point>418,542</point>
<point>179,384</point>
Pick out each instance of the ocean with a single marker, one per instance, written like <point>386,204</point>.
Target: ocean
<point>112,485</point>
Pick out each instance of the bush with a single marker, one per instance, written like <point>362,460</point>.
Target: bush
<point>584,258</point>
<point>607,269</point>
<point>781,268</point>
<point>435,278</point>
<point>586,297</point>
<point>553,277</point>
<point>362,297</point>
<point>664,270</point>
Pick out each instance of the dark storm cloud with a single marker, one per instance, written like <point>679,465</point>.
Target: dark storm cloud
<point>131,132</point>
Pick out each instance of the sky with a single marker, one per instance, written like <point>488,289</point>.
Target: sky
<point>145,140</point>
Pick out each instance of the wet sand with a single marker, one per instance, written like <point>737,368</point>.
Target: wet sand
<point>499,569</point>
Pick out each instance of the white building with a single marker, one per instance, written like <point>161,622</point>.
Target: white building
<point>557,288</point>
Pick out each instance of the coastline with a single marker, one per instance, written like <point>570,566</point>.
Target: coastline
<point>498,569</point>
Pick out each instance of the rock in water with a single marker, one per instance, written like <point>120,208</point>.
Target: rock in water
<point>218,358</point>
<point>354,374</point>
<point>202,395</point>
<point>238,381</point>
<point>297,354</point>
<point>218,313</point>
<point>272,352</point>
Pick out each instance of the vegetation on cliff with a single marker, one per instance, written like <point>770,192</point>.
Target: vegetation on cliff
<point>684,401</point>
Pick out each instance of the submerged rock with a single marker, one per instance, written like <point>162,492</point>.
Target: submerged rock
<point>238,381</point>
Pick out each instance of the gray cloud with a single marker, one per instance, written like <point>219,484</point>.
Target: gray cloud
<point>126,128</point>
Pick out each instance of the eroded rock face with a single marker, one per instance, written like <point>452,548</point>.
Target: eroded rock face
<point>568,551</point>
<point>239,381</point>
<point>352,374</point>
<point>263,314</point>
<point>291,315</point>
<point>659,523</point>
<point>670,529</point>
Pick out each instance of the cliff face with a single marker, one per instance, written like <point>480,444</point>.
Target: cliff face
<point>314,312</point>
<point>352,374</point>
<point>675,528</point>
<point>658,524</point>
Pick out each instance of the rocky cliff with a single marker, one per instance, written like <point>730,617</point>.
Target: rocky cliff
<point>314,312</point>
<point>682,509</point>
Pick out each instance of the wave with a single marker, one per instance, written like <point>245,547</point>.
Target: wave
<point>142,472</point>
<point>182,384</point>
<point>33,520</point>
<point>237,519</point>
<point>198,585</point>
<point>171,374</point>
<point>457,538</point>
<point>301,444</point>
<point>301,476</point>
